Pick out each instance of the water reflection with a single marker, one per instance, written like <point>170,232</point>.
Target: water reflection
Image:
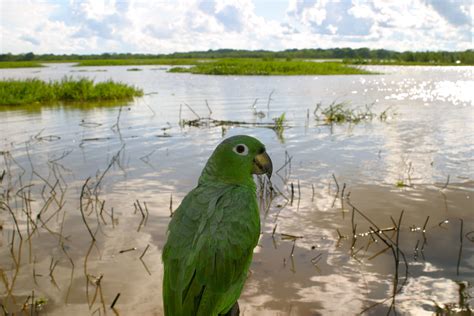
<point>49,152</point>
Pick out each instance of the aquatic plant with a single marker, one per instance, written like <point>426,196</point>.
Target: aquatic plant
<point>279,126</point>
<point>265,67</point>
<point>279,121</point>
<point>343,113</point>
<point>19,92</point>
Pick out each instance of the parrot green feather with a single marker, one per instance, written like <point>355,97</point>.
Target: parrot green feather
<point>213,232</point>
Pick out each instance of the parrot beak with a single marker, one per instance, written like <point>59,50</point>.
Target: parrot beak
<point>262,164</point>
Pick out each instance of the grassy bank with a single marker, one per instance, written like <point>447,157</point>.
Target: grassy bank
<point>20,92</point>
<point>19,64</point>
<point>379,62</point>
<point>269,67</point>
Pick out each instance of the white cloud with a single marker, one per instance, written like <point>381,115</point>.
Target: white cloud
<point>362,10</point>
<point>315,14</point>
<point>332,29</point>
<point>183,25</point>
<point>97,9</point>
<point>399,25</point>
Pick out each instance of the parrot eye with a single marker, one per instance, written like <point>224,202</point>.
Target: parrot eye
<point>241,149</point>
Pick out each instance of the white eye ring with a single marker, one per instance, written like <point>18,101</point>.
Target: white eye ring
<point>241,149</point>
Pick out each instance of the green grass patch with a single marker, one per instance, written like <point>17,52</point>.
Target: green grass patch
<point>20,64</point>
<point>265,67</point>
<point>29,91</point>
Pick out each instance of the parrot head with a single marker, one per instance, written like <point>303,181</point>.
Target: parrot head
<point>235,160</point>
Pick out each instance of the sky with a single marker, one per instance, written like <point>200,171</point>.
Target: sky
<point>166,26</point>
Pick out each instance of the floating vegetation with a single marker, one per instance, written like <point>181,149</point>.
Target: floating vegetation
<point>401,184</point>
<point>210,122</point>
<point>279,121</point>
<point>265,67</point>
<point>86,70</point>
<point>20,92</point>
<point>279,126</point>
<point>342,113</point>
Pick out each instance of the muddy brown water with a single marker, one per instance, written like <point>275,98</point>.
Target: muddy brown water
<point>307,261</point>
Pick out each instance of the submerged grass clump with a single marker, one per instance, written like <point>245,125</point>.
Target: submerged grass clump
<point>279,127</point>
<point>265,67</point>
<point>20,92</point>
<point>342,113</point>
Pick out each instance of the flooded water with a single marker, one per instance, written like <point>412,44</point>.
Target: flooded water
<point>332,250</point>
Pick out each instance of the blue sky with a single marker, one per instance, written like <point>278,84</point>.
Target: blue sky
<point>165,26</point>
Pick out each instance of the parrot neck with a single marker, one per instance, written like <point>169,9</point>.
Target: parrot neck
<point>210,175</point>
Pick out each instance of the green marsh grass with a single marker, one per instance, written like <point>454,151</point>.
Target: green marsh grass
<point>279,121</point>
<point>279,127</point>
<point>265,67</point>
<point>30,91</point>
<point>20,64</point>
<point>391,62</point>
<point>342,113</point>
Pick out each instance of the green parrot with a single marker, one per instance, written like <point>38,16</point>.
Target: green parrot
<point>213,232</point>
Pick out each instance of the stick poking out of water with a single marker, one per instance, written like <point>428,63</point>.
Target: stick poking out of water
<point>115,300</point>
<point>82,209</point>
<point>461,237</point>
<point>269,99</point>
<point>171,205</point>
<point>6,206</point>
<point>191,109</point>
<point>209,108</point>
<point>337,184</point>
<point>144,251</point>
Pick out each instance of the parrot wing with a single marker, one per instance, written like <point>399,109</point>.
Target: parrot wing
<point>210,244</point>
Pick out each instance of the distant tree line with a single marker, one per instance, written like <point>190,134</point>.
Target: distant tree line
<point>359,55</point>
